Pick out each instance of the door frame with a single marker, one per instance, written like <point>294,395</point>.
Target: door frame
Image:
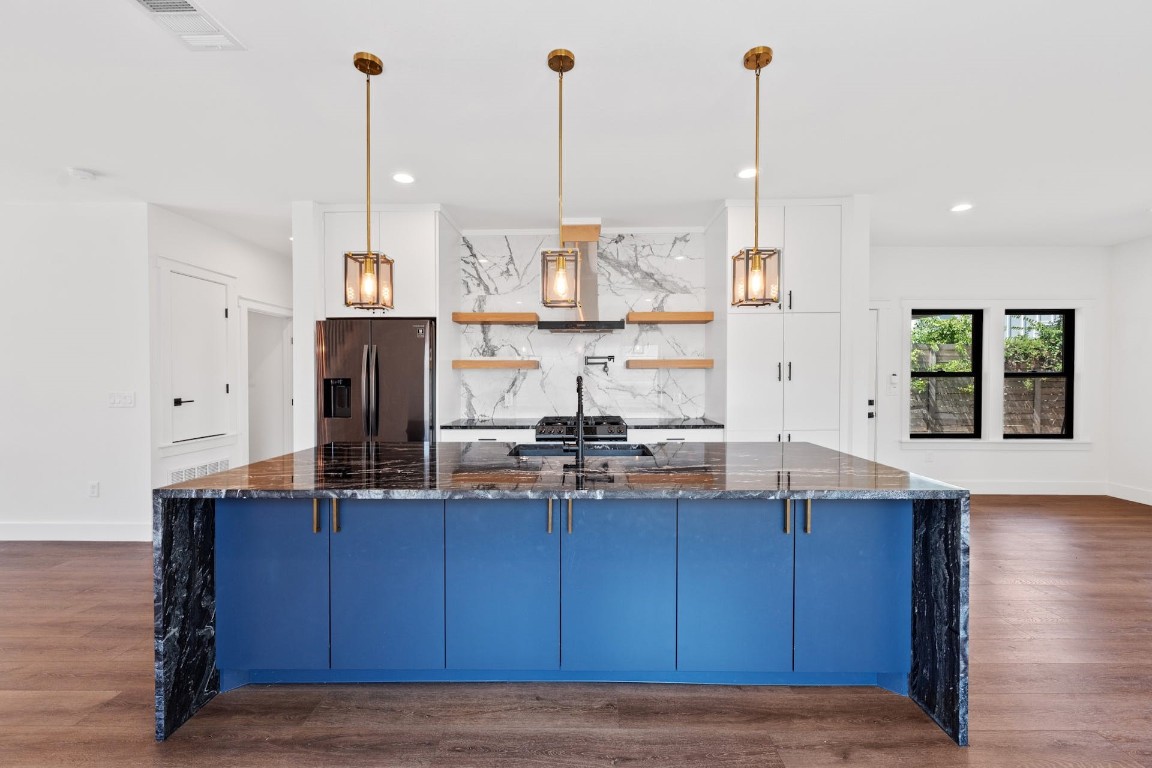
<point>248,306</point>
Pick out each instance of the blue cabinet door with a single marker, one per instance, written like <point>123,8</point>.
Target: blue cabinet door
<point>388,585</point>
<point>734,586</point>
<point>618,586</point>
<point>271,585</point>
<point>503,584</point>
<point>854,587</point>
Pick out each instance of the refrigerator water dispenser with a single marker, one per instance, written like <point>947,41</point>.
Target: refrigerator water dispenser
<point>337,398</point>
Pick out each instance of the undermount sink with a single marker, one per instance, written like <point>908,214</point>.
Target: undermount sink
<point>590,449</point>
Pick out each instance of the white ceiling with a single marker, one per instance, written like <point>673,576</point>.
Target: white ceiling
<point>1039,112</point>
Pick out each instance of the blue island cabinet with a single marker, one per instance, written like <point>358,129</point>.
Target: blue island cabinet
<point>502,584</point>
<point>306,584</point>
<point>618,585</point>
<point>853,589</point>
<point>734,586</point>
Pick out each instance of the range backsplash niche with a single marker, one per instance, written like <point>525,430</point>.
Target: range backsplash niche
<point>636,272</point>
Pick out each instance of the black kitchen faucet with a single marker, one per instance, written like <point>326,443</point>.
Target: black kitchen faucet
<point>580,422</point>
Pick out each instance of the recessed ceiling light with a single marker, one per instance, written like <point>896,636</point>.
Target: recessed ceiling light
<point>961,207</point>
<point>747,173</point>
<point>403,178</point>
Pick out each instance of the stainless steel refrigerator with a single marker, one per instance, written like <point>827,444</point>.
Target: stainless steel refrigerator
<point>375,380</point>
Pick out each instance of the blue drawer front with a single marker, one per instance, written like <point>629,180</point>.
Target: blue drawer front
<point>388,585</point>
<point>734,586</point>
<point>271,585</point>
<point>503,584</point>
<point>618,578</point>
<point>853,587</point>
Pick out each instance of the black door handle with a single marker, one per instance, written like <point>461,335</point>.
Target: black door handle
<point>181,401</point>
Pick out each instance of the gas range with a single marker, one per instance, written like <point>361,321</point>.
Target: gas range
<point>597,428</point>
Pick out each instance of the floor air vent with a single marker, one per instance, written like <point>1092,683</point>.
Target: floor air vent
<point>191,473</point>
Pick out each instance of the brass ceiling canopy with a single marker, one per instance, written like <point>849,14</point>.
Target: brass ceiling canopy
<point>562,60</point>
<point>758,57</point>
<point>370,64</point>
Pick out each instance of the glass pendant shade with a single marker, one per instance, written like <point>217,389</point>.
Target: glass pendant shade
<point>756,277</point>
<point>560,278</point>
<point>367,280</point>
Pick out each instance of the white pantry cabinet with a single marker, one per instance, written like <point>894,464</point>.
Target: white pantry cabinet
<point>783,375</point>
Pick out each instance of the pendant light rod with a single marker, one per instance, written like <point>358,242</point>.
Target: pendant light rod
<point>757,58</point>
<point>370,65</point>
<point>560,61</point>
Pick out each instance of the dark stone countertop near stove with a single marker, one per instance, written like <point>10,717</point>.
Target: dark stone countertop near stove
<point>486,470</point>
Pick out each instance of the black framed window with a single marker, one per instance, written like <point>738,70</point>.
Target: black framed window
<point>1038,372</point>
<point>946,353</point>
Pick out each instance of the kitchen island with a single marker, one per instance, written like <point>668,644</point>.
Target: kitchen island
<point>724,563</point>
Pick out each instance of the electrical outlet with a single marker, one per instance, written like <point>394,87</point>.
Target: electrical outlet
<point>94,489</point>
<point>121,399</point>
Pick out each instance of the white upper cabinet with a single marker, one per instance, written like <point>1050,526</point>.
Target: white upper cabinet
<point>406,237</point>
<point>810,262</point>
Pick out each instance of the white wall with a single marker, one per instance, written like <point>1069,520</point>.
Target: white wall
<point>74,308</point>
<point>1130,434</point>
<point>255,275</point>
<point>995,279</point>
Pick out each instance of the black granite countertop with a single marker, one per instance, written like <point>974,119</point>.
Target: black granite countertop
<point>491,424</point>
<point>660,423</point>
<point>486,470</point>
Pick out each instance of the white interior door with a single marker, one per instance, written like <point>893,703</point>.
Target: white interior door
<point>873,352</point>
<point>812,371</point>
<point>198,338</point>
<point>269,386</point>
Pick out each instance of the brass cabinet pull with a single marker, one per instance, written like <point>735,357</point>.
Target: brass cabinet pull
<point>335,516</point>
<point>787,517</point>
<point>549,515</point>
<point>569,515</point>
<point>315,515</point>
<point>807,515</point>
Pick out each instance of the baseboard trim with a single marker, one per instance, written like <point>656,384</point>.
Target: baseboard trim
<point>1130,493</point>
<point>75,532</point>
<point>1033,487</point>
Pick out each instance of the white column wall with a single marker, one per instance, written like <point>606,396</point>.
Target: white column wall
<point>1130,423</point>
<point>74,308</point>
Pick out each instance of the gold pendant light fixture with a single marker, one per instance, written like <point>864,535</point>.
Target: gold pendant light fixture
<point>756,270</point>
<point>367,273</point>
<point>560,268</point>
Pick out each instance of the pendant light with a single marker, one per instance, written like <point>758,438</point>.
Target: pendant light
<point>756,270</point>
<point>367,273</point>
<point>560,268</point>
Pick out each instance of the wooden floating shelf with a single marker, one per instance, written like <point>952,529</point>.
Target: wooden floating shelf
<point>678,318</point>
<point>682,362</point>
<point>496,318</point>
<point>489,362</point>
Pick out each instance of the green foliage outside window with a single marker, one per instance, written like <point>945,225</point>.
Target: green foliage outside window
<point>1040,348</point>
<point>941,343</point>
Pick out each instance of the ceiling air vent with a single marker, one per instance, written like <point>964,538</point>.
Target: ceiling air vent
<point>191,26</point>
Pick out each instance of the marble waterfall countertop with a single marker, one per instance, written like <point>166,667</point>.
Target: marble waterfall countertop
<point>486,470</point>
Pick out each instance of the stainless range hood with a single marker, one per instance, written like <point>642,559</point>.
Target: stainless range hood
<point>588,312</point>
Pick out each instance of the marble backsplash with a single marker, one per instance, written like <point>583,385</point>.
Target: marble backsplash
<point>635,272</point>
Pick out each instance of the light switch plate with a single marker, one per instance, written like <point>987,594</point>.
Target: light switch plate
<point>121,399</point>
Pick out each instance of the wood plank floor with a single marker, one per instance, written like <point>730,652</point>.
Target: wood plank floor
<point>1061,676</point>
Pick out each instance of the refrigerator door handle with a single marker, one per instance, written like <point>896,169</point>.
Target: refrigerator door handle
<point>365,396</point>
<point>374,410</point>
